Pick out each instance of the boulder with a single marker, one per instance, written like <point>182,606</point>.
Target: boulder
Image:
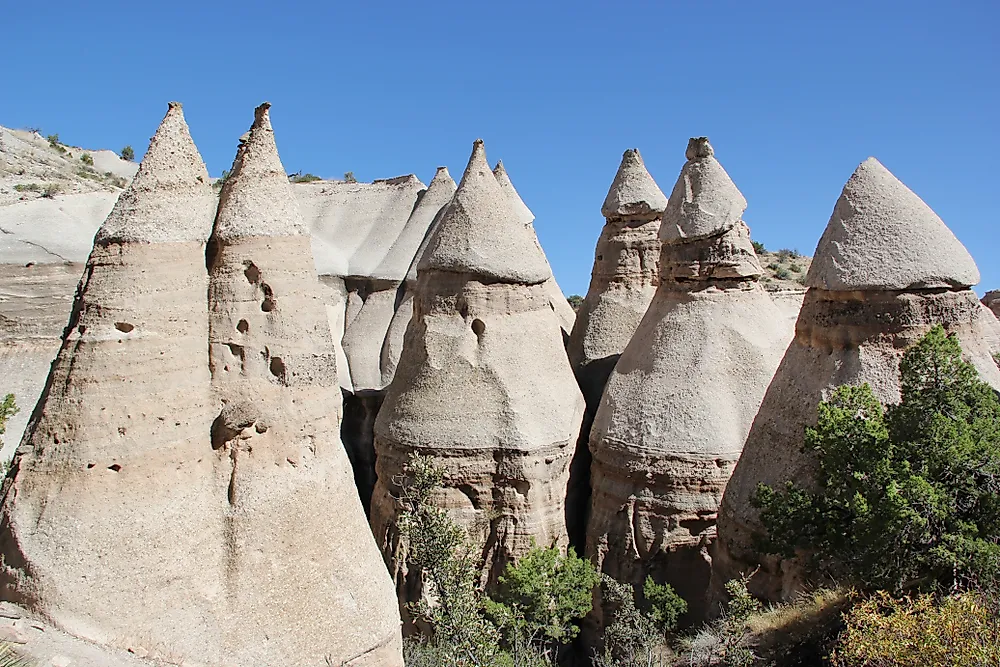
<point>886,270</point>
<point>302,580</point>
<point>483,386</point>
<point>680,401</point>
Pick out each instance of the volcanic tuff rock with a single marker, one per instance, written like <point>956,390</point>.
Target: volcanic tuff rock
<point>680,401</point>
<point>557,300</point>
<point>483,385</point>
<point>622,284</point>
<point>276,439</point>
<point>119,437</point>
<point>868,301</point>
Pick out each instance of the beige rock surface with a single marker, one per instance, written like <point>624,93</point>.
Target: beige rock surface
<point>557,300</point>
<point>302,580</point>
<point>483,385</point>
<point>111,514</point>
<point>681,399</point>
<point>851,331</point>
<point>622,284</point>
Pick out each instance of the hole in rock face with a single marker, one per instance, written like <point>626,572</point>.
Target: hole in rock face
<point>124,327</point>
<point>90,465</point>
<point>252,273</point>
<point>268,304</point>
<point>278,368</point>
<point>211,253</point>
<point>121,430</point>
<point>600,257</point>
<point>236,350</point>
<point>82,329</point>
<point>243,326</point>
<point>114,467</point>
<point>478,328</point>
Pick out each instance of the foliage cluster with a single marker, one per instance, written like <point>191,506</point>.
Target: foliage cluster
<point>758,247</point>
<point>299,177</point>
<point>907,496</point>
<point>920,631</point>
<point>128,154</point>
<point>575,301</point>
<point>87,159</point>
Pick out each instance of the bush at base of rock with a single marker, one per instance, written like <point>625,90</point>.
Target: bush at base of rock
<point>907,497</point>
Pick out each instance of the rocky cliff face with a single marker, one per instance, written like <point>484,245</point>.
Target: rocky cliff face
<point>679,404</point>
<point>886,270</point>
<point>483,386</point>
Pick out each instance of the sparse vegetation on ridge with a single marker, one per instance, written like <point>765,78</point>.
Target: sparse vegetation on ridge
<point>128,154</point>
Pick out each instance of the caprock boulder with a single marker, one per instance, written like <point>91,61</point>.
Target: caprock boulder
<point>303,581</point>
<point>112,520</point>
<point>557,300</point>
<point>483,386</point>
<point>680,401</point>
<point>885,271</point>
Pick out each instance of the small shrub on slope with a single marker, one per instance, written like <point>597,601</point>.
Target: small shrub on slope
<point>960,630</point>
<point>907,497</point>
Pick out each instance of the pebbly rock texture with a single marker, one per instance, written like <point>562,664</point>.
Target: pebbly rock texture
<point>302,578</point>
<point>886,270</point>
<point>681,399</point>
<point>111,519</point>
<point>622,284</point>
<point>557,300</point>
<point>483,385</point>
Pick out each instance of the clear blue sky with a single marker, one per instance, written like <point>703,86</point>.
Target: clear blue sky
<point>793,96</point>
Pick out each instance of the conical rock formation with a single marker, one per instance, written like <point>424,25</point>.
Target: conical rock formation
<point>622,284</point>
<point>483,386</point>
<point>681,399</point>
<point>868,301</point>
<point>112,520</point>
<point>557,300</point>
<point>992,301</point>
<point>303,580</point>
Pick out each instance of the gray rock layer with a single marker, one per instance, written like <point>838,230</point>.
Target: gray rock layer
<point>841,338</point>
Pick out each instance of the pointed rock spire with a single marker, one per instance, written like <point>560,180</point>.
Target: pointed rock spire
<point>703,234</point>
<point>257,198</point>
<point>633,193</point>
<point>521,209</point>
<point>276,439</point>
<point>119,437</point>
<point>481,233</point>
<point>704,201</point>
<point>169,194</point>
<point>883,236</point>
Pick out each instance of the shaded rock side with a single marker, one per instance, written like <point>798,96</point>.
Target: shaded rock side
<point>679,404</point>
<point>842,336</point>
<point>557,299</point>
<point>303,580</point>
<point>112,518</point>
<point>483,387</point>
<point>992,301</point>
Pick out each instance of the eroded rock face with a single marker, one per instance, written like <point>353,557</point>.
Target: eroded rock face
<point>622,284</point>
<point>293,521</point>
<point>483,386</point>
<point>680,401</point>
<point>866,304</point>
<point>112,518</point>
<point>557,300</point>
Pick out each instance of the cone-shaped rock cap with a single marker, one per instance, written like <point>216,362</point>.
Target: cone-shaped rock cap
<point>633,193</point>
<point>439,193</point>
<point>882,236</point>
<point>257,199</point>
<point>167,197</point>
<point>704,201</point>
<point>524,213</point>
<point>480,233</point>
